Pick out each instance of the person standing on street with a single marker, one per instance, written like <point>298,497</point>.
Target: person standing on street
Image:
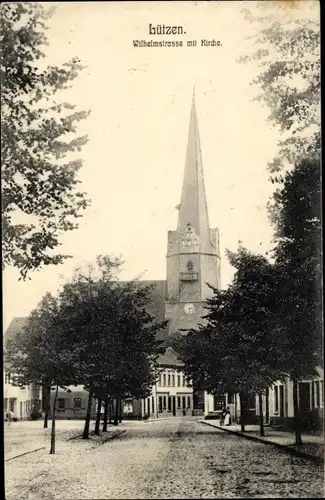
<point>10,415</point>
<point>222,417</point>
<point>227,419</point>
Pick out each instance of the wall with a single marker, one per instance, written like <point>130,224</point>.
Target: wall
<point>312,413</point>
<point>21,399</point>
<point>71,410</point>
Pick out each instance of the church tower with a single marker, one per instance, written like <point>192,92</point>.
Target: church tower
<point>193,256</point>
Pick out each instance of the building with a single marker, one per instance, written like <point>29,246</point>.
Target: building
<point>21,400</point>
<point>278,403</point>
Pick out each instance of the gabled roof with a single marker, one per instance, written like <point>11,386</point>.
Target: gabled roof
<point>169,358</point>
<point>16,325</point>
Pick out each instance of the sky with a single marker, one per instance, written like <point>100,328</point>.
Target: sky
<point>140,101</point>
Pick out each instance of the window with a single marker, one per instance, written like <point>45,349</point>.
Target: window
<point>184,402</point>
<point>168,380</point>
<point>184,381</point>
<point>153,404</point>
<point>61,403</point>
<point>164,402</point>
<point>321,393</point>
<point>21,409</point>
<point>304,396</point>
<point>77,403</point>
<point>160,402</point>
<point>276,399</point>
<point>281,402</point>
<point>158,381</point>
<point>7,378</point>
<point>169,403</point>
<point>188,401</point>
<point>317,394</point>
<point>178,401</point>
<point>312,395</point>
<point>173,380</point>
<point>6,404</point>
<point>189,265</point>
<point>178,380</point>
<point>164,379</point>
<point>230,398</point>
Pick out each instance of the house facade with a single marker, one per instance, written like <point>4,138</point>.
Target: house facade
<point>278,407</point>
<point>21,400</point>
<point>278,404</point>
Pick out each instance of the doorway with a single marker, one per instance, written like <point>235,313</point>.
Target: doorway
<point>174,405</point>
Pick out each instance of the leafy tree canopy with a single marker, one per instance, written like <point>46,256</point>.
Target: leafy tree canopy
<point>40,199</point>
<point>287,42</point>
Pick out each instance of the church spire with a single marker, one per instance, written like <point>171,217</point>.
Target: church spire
<point>193,208</point>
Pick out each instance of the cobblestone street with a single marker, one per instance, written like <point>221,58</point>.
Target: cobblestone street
<point>177,458</point>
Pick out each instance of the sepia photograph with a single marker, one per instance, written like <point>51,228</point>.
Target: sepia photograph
<point>161,250</point>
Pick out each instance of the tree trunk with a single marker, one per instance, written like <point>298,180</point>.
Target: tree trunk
<point>267,410</point>
<point>47,401</point>
<point>296,413</point>
<point>88,415</point>
<point>105,416</point>
<point>120,410</point>
<point>52,450</point>
<point>116,412</point>
<point>110,410</point>
<point>242,412</point>
<point>260,404</point>
<point>97,424</point>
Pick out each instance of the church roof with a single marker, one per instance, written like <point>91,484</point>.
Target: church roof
<point>156,306</point>
<point>193,208</point>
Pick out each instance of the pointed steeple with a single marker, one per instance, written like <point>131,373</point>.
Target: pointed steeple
<point>193,207</point>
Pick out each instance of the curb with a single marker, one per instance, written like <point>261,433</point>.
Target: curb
<point>283,447</point>
<point>22,454</point>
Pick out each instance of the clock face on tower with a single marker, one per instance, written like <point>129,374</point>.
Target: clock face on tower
<point>189,308</point>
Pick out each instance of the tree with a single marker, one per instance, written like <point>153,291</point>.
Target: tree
<point>44,352</point>
<point>288,54</point>
<point>115,333</point>
<point>40,199</point>
<point>297,220</point>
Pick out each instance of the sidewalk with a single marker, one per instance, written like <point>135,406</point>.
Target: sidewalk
<point>312,446</point>
<point>28,436</point>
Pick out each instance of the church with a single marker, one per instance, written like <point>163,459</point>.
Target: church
<point>192,262</point>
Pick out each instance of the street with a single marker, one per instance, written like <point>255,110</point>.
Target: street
<point>176,458</point>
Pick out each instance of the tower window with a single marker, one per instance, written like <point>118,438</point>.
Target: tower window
<point>190,265</point>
